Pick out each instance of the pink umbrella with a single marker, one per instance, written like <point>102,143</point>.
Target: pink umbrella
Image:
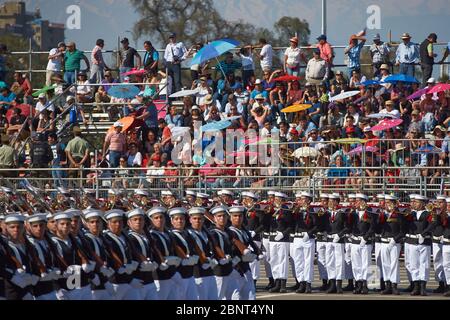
<point>418,94</point>
<point>439,88</point>
<point>134,72</point>
<point>244,154</point>
<point>387,124</point>
<point>360,150</point>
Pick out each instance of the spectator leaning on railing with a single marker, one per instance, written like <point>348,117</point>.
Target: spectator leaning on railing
<point>72,62</point>
<point>55,62</point>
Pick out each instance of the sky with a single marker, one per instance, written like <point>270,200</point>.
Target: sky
<point>110,19</point>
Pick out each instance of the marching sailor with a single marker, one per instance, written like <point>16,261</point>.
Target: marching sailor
<point>362,231</point>
<point>321,239</point>
<point>348,248</point>
<point>445,220</point>
<point>281,228</point>
<point>441,214</point>
<point>203,270</point>
<point>392,226</point>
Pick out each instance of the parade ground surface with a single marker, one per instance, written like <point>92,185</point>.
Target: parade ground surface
<point>318,295</point>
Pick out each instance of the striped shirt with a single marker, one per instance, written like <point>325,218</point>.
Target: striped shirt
<point>117,141</point>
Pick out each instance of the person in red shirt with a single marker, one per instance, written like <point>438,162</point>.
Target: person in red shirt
<point>22,87</point>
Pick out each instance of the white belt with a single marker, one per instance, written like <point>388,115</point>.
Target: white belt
<point>445,240</point>
<point>356,238</point>
<point>300,234</point>
<point>386,240</point>
<point>416,236</point>
<point>437,238</point>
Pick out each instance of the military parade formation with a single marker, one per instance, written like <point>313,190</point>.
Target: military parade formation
<point>199,247</point>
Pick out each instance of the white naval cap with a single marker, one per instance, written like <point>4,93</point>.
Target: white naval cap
<point>390,197</point>
<point>270,193</point>
<point>381,196</point>
<point>135,212</point>
<point>141,192</point>
<point>202,195</point>
<point>236,210</point>
<point>249,194</point>
<point>306,194</point>
<point>62,216</point>
<point>225,193</point>
<point>219,209</point>
<point>166,193</point>
<point>352,196</point>
<point>74,212</point>
<point>280,195</point>
<point>191,193</point>
<point>50,216</point>
<point>413,196</point>
<point>361,196</point>
<point>115,213</point>
<point>177,211</point>
<point>447,200</point>
<point>441,197</point>
<point>334,196</point>
<point>89,191</point>
<point>2,216</point>
<point>324,196</point>
<point>92,213</point>
<point>421,198</point>
<point>114,192</point>
<point>38,217</point>
<point>15,218</point>
<point>156,210</point>
<point>197,211</point>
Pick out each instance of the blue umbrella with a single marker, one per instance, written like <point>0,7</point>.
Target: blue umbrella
<point>400,78</point>
<point>214,50</point>
<point>127,91</point>
<point>215,126</point>
<point>369,83</point>
<point>3,84</point>
<point>428,149</point>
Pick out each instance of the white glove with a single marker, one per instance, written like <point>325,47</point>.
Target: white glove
<point>106,271</point>
<point>19,280</point>
<point>235,261</point>
<point>279,236</point>
<point>252,233</point>
<point>122,270</point>
<point>336,238</point>
<point>246,252</point>
<point>213,263</point>
<point>136,283</point>
<point>421,239</point>
<point>363,242</point>
<point>86,267</point>
<point>306,237</point>
<point>96,280</point>
<point>262,256</point>
<point>206,266</point>
<point>163,266</point>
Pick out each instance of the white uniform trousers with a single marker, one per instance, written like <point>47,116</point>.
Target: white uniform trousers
<point>378,258</point>
<point>419,261</point>
<point>83,293</point>
<point>361,260</point>
<point>279,259</point>
<point>446,262</point>
<point>227,288</point>
<point>390,261</point>
<point>268,269</point>
<point>335,261</point>
<point>207,288</point>
<point>406,255</point>
<point>348,261</point>
<point>437,262</point>
<point>149,292</point>
<point>188,289</point>
<point>321,248</point>
<point>168,289</point>
<point>255,266</point>
<point>246,285</point>
<point>302,252</point>
<point>47,297</point>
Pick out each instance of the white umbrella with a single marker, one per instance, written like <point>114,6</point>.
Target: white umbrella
<point>380,116</point>
<point>232,118</point>
<point>344,95</point>
<point>184,93</point>
<point>305,152</point>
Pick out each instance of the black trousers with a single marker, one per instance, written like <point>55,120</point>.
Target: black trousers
<point>175,73</point>
<point>427,71</point>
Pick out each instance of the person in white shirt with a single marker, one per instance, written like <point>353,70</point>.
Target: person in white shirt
<point>174,54</point>
<point>248,65</point>
<point>389,109</point>
<point>44,104</point>
<point>316,70</point>
<point>292,58</point>
<point>54,65</point>
<point>203,90</point>
<point>266,55</point>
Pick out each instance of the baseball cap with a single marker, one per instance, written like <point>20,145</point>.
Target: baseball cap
<point>258,81</point>
<point>41,95</point>
<point>172,35</point>
<point>322,37</point>
<point>118,124</point>
<point>124,40</point>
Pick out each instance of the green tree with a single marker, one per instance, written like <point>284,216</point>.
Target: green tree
<point>288,27</point>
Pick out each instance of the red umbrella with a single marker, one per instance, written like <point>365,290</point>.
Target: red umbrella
<point>439,88</point>
<point>387,124</point>
<point>286,79</point>
<point>25,108</point>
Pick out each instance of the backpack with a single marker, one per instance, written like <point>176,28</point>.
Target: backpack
<point>73,115</point>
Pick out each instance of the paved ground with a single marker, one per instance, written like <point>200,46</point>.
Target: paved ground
<point>318,295</point>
